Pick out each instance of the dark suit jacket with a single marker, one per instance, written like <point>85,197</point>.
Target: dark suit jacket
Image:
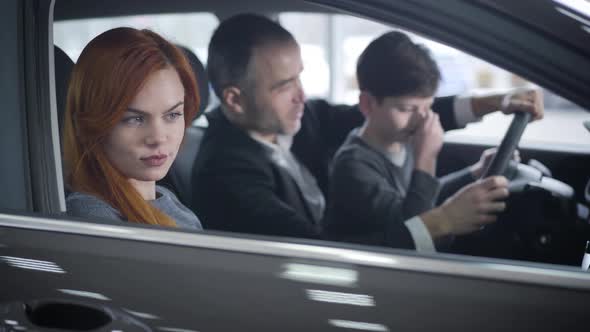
<point>238,188</point>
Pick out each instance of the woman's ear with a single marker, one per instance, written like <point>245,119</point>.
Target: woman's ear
<point>233,100</point>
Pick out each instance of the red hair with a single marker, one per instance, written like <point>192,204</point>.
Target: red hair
<point>108,75</point>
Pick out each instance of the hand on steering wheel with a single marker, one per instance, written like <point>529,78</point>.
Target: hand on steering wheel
<point>508,145</point>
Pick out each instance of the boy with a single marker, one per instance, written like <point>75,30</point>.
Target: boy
<point>383,187</point>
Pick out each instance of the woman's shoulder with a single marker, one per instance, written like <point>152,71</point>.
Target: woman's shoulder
<point>171,205</point>
<point>163,191</point>
<point>167,200</point>
<point>80,198</point>
<point>80,204</point>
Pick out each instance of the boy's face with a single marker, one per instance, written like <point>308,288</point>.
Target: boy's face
<point>396,119</point>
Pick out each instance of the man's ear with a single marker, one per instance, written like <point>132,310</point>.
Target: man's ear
<point>366,103</point>
<point>233,100</point>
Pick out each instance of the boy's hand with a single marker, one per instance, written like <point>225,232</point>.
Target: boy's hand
<point>475,205</point>
<point>485,160</point>
<point>428,141</point>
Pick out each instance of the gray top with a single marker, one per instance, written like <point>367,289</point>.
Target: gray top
<point>373,193</point>
<point>84,205</point>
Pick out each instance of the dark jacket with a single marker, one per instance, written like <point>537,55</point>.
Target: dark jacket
<point>238,188</point>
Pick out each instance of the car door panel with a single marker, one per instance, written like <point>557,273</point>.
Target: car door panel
<point>198,282</point>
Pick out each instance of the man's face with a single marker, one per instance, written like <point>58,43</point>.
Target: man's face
<point>397,118</point>
<point>274,102</point>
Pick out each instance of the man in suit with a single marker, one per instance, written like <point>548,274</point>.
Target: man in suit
<point>263,163</point>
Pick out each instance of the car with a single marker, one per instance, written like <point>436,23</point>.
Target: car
<point>63,273</point>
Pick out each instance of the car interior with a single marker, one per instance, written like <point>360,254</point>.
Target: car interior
<point>547,219</point>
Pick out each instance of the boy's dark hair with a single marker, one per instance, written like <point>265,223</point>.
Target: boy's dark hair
<point>393,66</point>
<point>231,46</point>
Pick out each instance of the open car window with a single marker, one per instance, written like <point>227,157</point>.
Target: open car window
<point>331,44</point>
<point>73,35</point>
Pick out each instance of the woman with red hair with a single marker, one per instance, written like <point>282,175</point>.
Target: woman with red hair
<point>131,96</point>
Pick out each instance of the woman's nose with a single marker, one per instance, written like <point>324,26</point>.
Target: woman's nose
<point>156,133</point>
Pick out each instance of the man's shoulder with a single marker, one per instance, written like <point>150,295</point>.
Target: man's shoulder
<point>319,105</point>
<point>228,156</point>
<point>220,129</point>
<point>224,140</point>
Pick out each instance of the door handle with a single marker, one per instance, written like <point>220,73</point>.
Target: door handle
<point>66,315</point>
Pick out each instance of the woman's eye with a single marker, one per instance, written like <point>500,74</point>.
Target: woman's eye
<point>173,116</point>
<point>134,120</point>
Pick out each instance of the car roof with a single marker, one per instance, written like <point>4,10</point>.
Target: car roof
<point>546,15</point>
<point>538,42</point>
<point>73,9</point>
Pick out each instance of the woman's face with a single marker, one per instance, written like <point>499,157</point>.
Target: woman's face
<point>143,145</point>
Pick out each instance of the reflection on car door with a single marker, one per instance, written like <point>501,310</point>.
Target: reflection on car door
<point>173,281</point>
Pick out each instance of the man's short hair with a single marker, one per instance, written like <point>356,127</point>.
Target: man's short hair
<point>232,45</point>
<point>394,66</point>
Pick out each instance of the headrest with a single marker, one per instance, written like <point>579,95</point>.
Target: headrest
<point>201,75</point>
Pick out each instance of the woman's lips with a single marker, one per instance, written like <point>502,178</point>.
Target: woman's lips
<point>155,160</point>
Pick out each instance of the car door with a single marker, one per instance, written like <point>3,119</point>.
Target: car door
<point>79,276</point>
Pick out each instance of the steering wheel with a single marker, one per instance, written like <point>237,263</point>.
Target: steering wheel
<point>485,242</point>
<point>508,236</point>
<point>509,143</point>
<point>522,176</point>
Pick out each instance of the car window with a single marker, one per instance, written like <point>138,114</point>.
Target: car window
<point>73,35</point>
<point>331,44</point>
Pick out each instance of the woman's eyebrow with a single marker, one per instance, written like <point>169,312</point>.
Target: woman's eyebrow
<point>134,110</point>
<point>174,107</point>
